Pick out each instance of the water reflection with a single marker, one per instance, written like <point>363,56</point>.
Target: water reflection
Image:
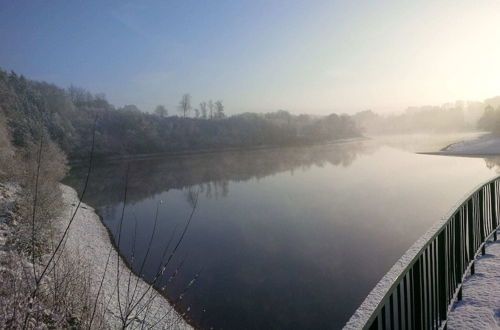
<point>287,238</point>
<point>208,174</point>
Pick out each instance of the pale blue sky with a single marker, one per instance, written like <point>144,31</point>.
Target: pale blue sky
<point>260,55</point>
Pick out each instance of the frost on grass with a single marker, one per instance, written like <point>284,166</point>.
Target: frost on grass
<point>67,295</point>
<point>88,237</point>
<point>63,298</point>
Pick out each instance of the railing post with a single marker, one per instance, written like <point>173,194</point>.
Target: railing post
<point>493,192</point>
<point>494,208</point>
<point>481,214</point>
<point>458,248</point>
<point>442,275</point>
<point>374,325</point>
<point>417,296</point>
<point>470,223</point>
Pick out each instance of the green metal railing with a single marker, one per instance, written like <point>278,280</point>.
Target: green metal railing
<point>420,290</point>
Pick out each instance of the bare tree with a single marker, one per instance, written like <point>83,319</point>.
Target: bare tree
<point>161,111</point>
<point>185,104</point>
<point>211,109</point>
<point>196,113</point>
<point>203,108</point>
<point>219,110</point>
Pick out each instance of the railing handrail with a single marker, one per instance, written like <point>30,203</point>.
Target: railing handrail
<point>369,310</point>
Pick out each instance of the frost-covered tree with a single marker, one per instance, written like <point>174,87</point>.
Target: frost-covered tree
<point>185,104</point>
<point>161,111</point>
<point>211,109</point>
<point>203,109</point>
<point>219,110</point>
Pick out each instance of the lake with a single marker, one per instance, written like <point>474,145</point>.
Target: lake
<point>289,238</point>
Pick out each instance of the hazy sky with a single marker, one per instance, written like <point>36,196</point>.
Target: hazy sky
<point>260,55</point>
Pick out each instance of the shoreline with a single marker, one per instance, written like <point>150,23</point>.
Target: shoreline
<point>189,321</point>
<point>486,145</point>
<point>210,151</point>
<point>90,238</point>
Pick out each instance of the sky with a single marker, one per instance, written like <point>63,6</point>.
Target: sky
<point>309,56</point>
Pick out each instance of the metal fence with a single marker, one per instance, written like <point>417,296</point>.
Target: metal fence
<point>422,293</point>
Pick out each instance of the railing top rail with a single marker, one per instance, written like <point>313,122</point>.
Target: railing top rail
<point>375,300</point>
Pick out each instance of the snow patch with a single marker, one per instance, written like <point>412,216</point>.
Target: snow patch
<point>88,237</point>
<point>488,144</point>
<point>480,307</point>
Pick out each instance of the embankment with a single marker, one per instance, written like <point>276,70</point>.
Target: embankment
<point>87,237</point>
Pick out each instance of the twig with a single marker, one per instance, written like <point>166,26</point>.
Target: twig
<point>35,200</point>
<point>74,213</point>
<point>118,245</point>
<point>157,276</point>
<point>100,287</point>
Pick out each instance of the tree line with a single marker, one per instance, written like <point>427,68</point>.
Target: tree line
<point>206,110</point>
<point>68,115</point>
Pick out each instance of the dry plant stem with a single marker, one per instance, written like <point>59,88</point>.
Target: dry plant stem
<point>35,197</point>
<point>147,252</point>
<point>178,298</point>
<point>74,213</point>
<point>119,240</point>
<point>165,250</point>
<point>132,260</point>
<point>157,276</point>
<point>53,254</point>
<point>134,303</point>
<point>154,294</point>
<point>54,270</point>
<point>100,288</point>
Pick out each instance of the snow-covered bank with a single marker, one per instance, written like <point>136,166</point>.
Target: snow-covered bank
<point>480,307</point>
<point>88,238</point>
<point>487,144</point>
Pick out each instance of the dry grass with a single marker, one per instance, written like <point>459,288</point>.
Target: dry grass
<point>63,301</point>
<point>62,298</point>
<point>43,284</point>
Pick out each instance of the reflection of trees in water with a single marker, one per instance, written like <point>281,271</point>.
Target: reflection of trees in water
<point>209,174</point>
<point>213,189</point>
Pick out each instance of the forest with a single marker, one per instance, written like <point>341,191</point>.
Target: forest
<point>490,121</point>
<point>68,116</point>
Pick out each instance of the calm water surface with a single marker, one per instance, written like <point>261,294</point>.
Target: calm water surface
<point>289,238</point>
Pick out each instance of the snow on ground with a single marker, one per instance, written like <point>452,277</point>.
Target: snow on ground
<point>88,237</point>
<point>487,144</point>
<point>480,307</point>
